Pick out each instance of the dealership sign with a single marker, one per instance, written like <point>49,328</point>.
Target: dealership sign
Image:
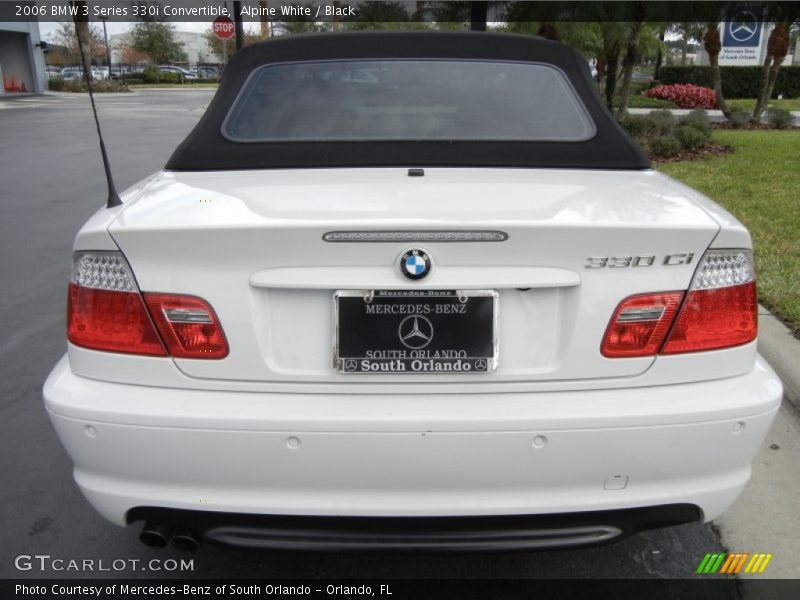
<point>741,39</point>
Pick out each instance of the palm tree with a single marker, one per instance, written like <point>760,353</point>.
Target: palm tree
<point>713,45</point>
<point>777,49</point>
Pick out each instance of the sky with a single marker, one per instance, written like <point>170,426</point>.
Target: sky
<point>48,29</point>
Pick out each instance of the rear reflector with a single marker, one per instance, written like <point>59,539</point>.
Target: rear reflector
<point>105,310</point>
<point>188,326</point>
<point>640,324</point>
<point>720,310</point>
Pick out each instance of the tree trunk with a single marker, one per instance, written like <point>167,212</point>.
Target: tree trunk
<point>660,56</point>
<point>612,66</point>
<point>263,5</point>
<point>84,38</point>
<point>478,15</point>
<point>549,31</point>
<point>631,58</point>
<point>777,48</point>
<point>713,46</point>
<point>760,101</point>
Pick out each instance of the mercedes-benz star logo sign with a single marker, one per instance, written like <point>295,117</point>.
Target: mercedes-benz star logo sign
<point>415,332</point>
<point>743,26</point>
<point>415,264</point>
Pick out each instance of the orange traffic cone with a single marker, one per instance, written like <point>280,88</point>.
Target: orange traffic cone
<point>14,87</point>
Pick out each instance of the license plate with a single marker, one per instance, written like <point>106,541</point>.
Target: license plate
<point>415,331</point>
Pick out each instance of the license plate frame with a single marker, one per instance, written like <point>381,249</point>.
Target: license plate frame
<point>418,361</point>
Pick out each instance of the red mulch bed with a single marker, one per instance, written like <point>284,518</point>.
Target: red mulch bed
<point>699,153</point>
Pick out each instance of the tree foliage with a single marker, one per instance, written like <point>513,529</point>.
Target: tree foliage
<point>66,40</point>
<point>157,41</point>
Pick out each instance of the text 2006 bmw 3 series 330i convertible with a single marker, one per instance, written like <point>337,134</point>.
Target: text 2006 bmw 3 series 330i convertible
<point>410,290</point>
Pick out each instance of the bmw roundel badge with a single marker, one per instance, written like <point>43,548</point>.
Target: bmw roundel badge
<point>415,264</point>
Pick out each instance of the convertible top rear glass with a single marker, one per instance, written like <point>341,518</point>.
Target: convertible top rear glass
<point>407,99</point>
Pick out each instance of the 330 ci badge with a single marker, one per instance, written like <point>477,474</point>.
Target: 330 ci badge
<point>415,331</point>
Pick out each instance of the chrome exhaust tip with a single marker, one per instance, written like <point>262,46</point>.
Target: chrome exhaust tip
<point>155,535</point>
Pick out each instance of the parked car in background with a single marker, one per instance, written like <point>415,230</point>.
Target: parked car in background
<point>100,73</point>
<point>68,73</point>
<point>53,71</point>
<point>207,72</point>
<point>184,73</point>
<point>410,290</point>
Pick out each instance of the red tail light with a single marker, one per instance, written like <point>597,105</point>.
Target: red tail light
<point>719,311</point>
<point>188,325</point>
<point>106,311</point>
<point>716,318</point>
<point>640,324</point>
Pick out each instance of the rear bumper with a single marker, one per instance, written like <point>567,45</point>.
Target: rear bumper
<point>511,532</point>
<point>424,455</point>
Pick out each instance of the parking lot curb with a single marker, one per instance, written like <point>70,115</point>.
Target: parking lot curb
<point>781,348</point>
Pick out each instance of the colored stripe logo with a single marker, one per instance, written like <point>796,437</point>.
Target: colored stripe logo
<point>734,563</point>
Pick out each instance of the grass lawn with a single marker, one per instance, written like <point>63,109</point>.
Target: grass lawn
<point>760,184</point>
<point>188,86</point>
<point>750,103</point>
<point>638,101</point>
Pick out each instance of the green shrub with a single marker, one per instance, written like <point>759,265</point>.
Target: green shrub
<point>779,118</point>
<point>150,75</point>
<point>56,83</point>
<point>663,121</point>
<point>133,77</point>
<point>737,82</point>
<point>638,126</point>
<point>690,138</point>
<point>739,117</point>
<point>698,120</point>
<point>98,86</point>
<point>665,145</point>
<point>169,77</point>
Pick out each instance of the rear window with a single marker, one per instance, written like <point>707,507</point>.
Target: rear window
<point>408,100</point>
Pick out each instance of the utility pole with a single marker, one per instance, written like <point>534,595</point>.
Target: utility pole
<point>237,22</point>
<point>108,50</point>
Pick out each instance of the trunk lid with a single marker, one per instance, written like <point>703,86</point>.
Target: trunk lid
<point>251,244</point>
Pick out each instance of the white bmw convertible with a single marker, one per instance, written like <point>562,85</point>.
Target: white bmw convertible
<point>410,290</point>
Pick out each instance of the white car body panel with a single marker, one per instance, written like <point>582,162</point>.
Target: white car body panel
<point>391,454</point>
<point>241,239</point>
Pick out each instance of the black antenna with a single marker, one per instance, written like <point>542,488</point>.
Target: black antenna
<point>113,197</point>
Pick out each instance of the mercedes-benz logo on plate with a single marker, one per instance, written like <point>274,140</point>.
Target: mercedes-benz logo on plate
<point>415,332</point>
<point>415,263</point>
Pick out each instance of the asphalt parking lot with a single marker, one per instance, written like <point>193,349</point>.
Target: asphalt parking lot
<point>52,180</point>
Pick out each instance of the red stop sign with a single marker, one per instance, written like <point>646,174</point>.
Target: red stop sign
<point>223,28</point>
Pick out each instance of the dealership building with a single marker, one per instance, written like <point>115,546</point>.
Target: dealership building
<point>22,67</point>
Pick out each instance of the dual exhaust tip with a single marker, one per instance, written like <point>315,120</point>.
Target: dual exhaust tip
<point>156,535</point>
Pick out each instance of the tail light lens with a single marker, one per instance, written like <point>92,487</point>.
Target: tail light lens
<point>640,324</point>
<point>188,325</point>
<point>106,311</point>
<point>720,310</point>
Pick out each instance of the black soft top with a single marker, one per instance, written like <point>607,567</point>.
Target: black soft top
<point>207,149</point>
